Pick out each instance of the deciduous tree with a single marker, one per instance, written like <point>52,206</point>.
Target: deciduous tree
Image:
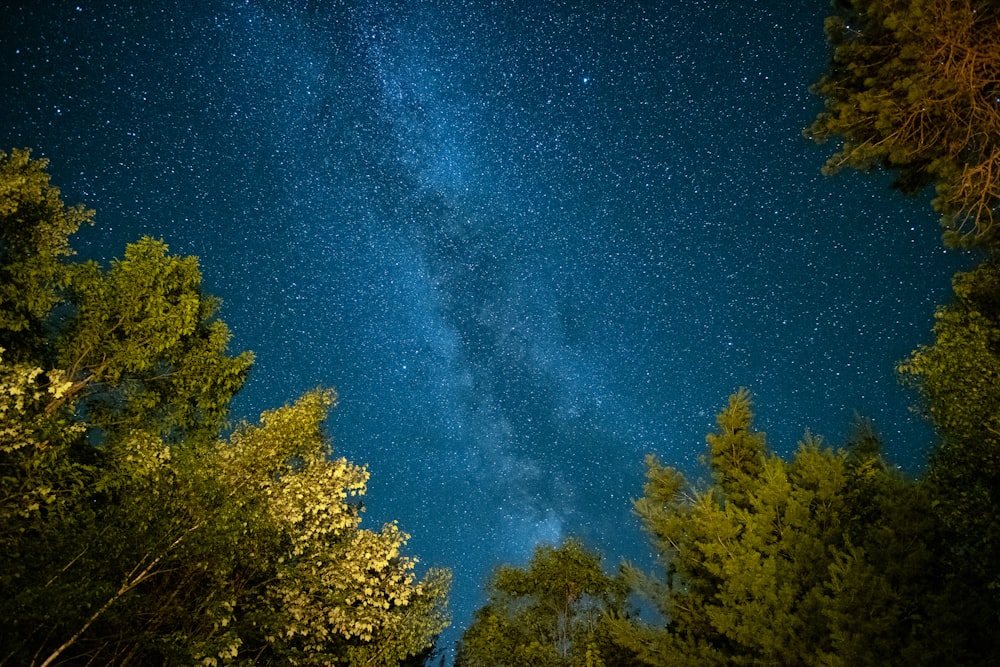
<point>35,226</point>
<point>132,531</point>
<point>550,613</point>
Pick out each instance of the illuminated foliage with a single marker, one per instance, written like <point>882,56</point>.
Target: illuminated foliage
<point>959,379</point>
<point>913,87</point>
<point>35,227</point>
<point>32,480</point>
<point>551,613</point>
<point>778,562</point>
<point>131,531</point>
<point>143,346</point>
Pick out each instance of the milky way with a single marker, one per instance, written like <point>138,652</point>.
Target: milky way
<point>526,242</point>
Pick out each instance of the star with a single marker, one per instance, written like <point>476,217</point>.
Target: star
<point>586,277</point>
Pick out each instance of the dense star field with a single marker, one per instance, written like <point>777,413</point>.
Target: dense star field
<point>527,243</point>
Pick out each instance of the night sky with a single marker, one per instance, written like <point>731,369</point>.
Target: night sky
<point>527,242</point>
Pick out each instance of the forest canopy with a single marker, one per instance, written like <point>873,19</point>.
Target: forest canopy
<point>133,529</point>
<point>139,526</point>
<point>913,87</point>
<point>832,556</point>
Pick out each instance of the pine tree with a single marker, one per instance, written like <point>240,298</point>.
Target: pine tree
<point>826,559</point>
<point>958,377</point>
<point>913,87</point>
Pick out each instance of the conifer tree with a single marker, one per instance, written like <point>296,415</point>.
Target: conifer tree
<point>958,376</point>
<point>826,559</point>
<point>913,87</point>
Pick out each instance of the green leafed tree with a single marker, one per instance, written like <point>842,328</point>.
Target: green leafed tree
<point>131,531</point>
<point>552,612</point>
<point>913,87</point>
<point>34,239</point>
<point>826,559</point>
<point>958,376</point>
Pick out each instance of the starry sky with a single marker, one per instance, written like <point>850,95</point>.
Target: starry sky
<point>527,242</point>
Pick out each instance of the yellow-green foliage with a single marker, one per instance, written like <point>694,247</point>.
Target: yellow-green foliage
<point>30,440</point>
<point>551,613</point>
<point>131,531</point>
<point>912,87</point>
<point>753,566</point>
<point>334,583</point>
<point>35,227</point>
<point>958,376</point>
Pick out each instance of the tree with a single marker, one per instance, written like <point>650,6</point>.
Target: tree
<point>775,562</point>
<point>550,613</point>
<point>913,87</point>
<point>958,377</point>
<point>133,532</point>
<point>247,551</point>
<point>333,589</point>
<point>38,481</point>
<point>35,227</point>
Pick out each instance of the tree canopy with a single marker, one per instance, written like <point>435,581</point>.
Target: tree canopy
<point>552,612</point>
<point>913,87</point>
<point>832,556</point>
<point>132,529</point>
<point>829,558</point>
<point>958,376</point>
